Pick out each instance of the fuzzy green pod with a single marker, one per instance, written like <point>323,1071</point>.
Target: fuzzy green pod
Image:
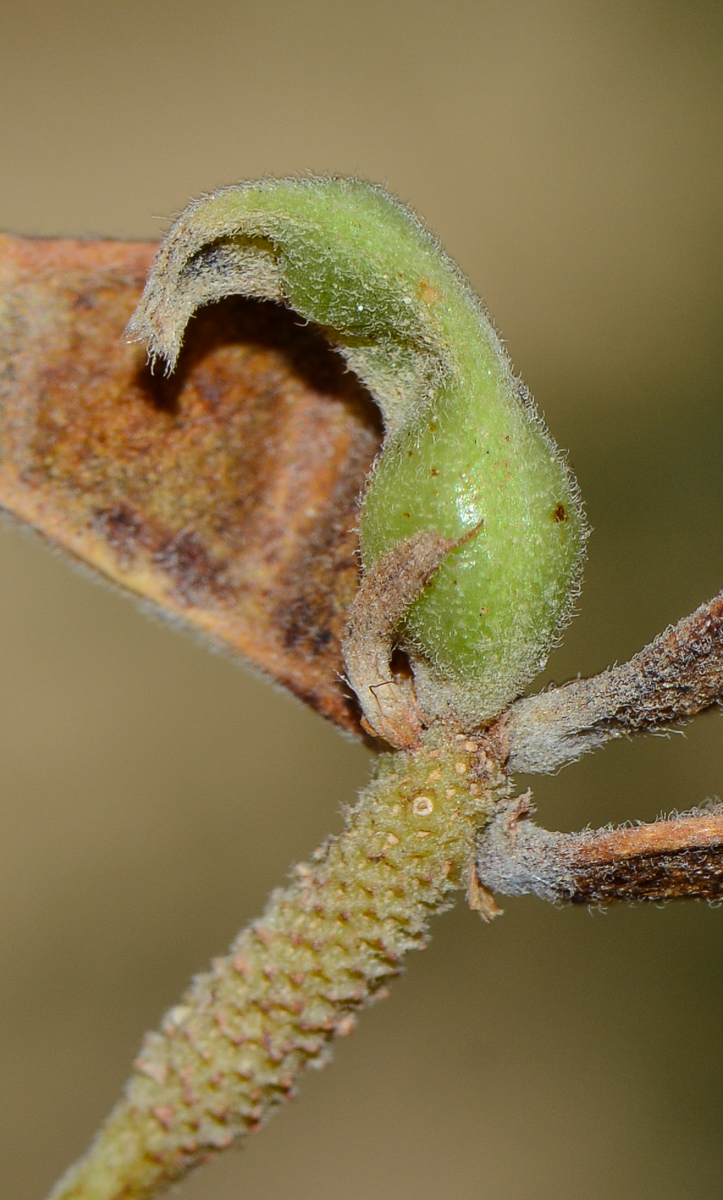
<point>464,447</point>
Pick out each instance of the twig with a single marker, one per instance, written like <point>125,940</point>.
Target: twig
<point>678,675</point>
<point>677,858</point>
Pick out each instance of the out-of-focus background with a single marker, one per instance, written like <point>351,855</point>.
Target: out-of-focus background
<point>569,156</point>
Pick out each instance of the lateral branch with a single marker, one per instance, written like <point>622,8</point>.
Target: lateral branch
<point>679,857</point>
<point>678,675</point>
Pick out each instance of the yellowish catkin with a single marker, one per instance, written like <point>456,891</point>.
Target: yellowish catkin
<point>232,1050</point>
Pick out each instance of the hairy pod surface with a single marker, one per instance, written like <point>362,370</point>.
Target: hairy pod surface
<point>464,447</point>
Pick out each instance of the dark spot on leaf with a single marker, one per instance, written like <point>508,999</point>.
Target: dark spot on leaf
<point>560,513</point>
<point>193,571</point>
<point>121,528</point>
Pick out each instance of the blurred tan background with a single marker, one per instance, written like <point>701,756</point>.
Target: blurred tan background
<point>569,156</point>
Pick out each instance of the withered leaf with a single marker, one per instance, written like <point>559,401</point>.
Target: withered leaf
<point>225,495</point>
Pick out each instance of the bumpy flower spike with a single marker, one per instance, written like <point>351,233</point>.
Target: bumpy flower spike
<point>464,453</point>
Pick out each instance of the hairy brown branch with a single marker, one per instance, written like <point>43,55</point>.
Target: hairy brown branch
<point>678,675</point>
<point>677,858</point>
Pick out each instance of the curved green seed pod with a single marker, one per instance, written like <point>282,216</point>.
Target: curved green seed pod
<point>463,447</point>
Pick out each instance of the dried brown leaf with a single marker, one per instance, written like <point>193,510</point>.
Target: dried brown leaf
<point>225,495</point>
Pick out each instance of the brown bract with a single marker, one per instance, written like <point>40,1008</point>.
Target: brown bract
<point>226,495</point>
<point>387,591</point>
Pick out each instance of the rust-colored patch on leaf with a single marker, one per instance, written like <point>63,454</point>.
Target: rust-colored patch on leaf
<point>226,494</point>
